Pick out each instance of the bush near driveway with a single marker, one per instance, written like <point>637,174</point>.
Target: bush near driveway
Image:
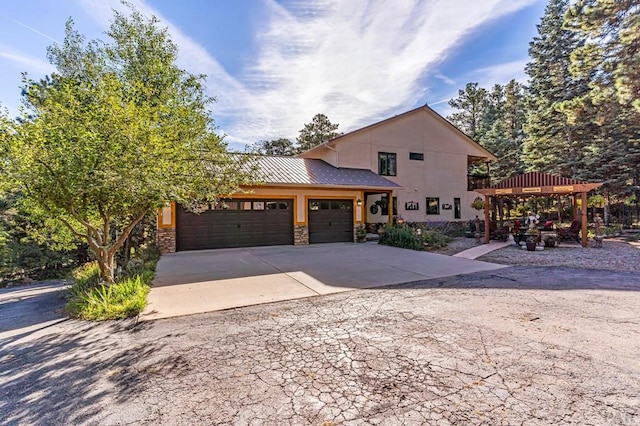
<point>414,238</point>
<point>91,299</point>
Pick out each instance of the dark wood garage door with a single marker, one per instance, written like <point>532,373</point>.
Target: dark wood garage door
<point>236,223</point>
<point>330,221</point>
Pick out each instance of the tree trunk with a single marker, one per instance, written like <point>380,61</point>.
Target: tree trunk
<point>106,262</point>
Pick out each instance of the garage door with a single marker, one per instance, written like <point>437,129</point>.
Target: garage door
<point>330,221</point>
<point>236,223</point>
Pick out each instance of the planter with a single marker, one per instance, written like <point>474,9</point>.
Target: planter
<point>531,245</point>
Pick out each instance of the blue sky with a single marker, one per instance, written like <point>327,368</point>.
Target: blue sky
<point>272,65</point>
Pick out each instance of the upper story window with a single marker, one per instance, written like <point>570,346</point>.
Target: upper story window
<point>387,164</point>
<point>416,156</point>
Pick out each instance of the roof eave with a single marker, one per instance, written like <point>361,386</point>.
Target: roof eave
<point>324,186</point>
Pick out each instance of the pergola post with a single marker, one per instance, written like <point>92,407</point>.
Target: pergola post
<point>583,219</point>
<point>487,231</point>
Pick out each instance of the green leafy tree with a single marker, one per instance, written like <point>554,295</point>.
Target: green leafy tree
<point>471,107</point>
<point>32,244</point>
<point>319,131</point>
<point>115,133</point>
<point>553,144</point>
<point>281,146</point>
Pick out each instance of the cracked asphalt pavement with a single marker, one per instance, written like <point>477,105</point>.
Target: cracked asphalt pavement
<point>520,345</point>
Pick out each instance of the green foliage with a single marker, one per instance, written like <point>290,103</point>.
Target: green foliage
<point>478,203</point>
<point>470,105</point>
<point>32,245</point>
<point>611,55</point>
<point>413,237</point>
<point>495,120</point>
<point>115,133</point>
<point>280,146</point>
<point>609,59</point>
<point>86,276</point>
<point>122,299</point>
<point>92,299</point>
<point>553,143</point>
<point>319,131</point>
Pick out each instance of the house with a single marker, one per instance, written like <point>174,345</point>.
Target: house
<point>414,165</point>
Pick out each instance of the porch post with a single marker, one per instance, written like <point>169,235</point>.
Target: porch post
<point>390,207</point>
<point>487,231</point>
<point>583,214</point>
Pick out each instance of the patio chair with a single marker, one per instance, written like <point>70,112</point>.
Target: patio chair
<point>500,234</point>
<point>572,233</point>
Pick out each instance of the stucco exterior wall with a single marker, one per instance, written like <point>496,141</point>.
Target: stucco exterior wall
<point>442,174</point>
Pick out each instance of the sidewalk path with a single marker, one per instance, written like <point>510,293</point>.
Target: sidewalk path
<point>482,249</point>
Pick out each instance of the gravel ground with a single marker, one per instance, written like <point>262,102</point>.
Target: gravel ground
<point>615,255</point>
<point>456,245</point>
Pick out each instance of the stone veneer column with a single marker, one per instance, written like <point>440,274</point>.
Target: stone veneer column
<point>166,240</point>
<point>300,235</point>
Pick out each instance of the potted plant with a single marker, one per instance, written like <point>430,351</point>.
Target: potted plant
<point>361,234</point>
<point>532,239</point>
<point>550,241</point>
<point>478,203</point>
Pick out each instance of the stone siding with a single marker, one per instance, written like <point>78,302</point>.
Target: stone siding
<point>166,240</point>
<point>300,235</point>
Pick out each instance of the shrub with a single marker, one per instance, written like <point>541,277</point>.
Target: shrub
<point>123,299</point>
<point>413,237</point>
<point>90,299</point>
<point>434,238</point>
<point>86,276</point>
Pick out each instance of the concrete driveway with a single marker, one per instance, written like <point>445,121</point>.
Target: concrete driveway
<point>210,280</point>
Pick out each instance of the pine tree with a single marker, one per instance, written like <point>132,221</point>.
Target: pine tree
<point>320,130</point>
<point>505,116</point>
<point>612,31</point>
<point>610,60</point>
<point>553,144</point>
<point>471,105</point>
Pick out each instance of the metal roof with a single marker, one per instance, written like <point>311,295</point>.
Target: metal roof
<point>532,179</point>
<point>537,183</point>
<point>283,170</point>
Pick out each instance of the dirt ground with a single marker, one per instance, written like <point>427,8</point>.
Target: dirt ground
<point>521,345</point>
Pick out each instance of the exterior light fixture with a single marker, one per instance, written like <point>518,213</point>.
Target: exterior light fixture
<point>359,202</point>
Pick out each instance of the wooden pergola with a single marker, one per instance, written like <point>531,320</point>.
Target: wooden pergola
<point>539,184</point>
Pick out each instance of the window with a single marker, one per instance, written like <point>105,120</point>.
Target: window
<point>456,208</point>
<point>387,164</point>
<point>416,156</point>
<point>433,205</point>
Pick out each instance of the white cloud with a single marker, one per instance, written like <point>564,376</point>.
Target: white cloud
<point>33,65</point>
<point>355,61</point>
<point>501,73</point>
